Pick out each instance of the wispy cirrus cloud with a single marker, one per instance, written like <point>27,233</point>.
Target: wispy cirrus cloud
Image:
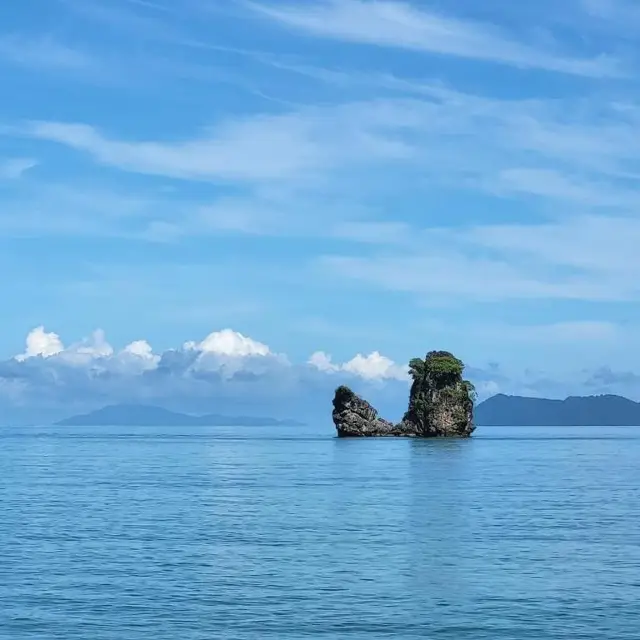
<point>144,19</point>
<point>526,146</point>
<point>448,276</point>
<point>552,184</point>
<point>262,147</point>
<point>230,153</point>
<point>513,148</point>
<point>402,25</point>
<point>43,53</point>
<point>575,332</point>
<point>37,209</point>
<point>580,170</point>
<point>590,258</point>
<point>615,11</point>
<point>14,168</point>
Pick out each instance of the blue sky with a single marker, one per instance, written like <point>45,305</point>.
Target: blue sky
<point>337,176</point>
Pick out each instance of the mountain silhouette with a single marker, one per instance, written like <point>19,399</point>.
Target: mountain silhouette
<point>141,415</point>
<point>516,411</point>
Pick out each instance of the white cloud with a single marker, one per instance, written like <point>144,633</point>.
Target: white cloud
<point>487,388</point>
<point>263,147</point>
<point>225,351</point>
<point>225,372</point>
<point>623,14</point>
<point>619,18</point>
<point>375,366</point>
<point>585,257</point>
<point>243,150</point>
<point>46,209</point>
<point>553,184</point>
<point>318,156</point>
<point>129,22</point>
<point>401,25</point>
<point>229,352</point>
<point>323,362</point>
<point>88,350</point>
<point>41,343</point>
<point>602,247</point>
<point>512,148</point>
<point>371,367</point>
<point>14,168</point>
<point>565,334</point>
<point>516,148</point>
<point>42,53</point>
<point>229,343</point>
<point>139,355</point>
<point>577,331</point>
<point>454,276</point>
<point>140,348</point>
<point>373,232</point>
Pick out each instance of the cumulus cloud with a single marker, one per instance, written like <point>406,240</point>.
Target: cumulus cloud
<point>322,362</point>
<point>229,343</point>
<point>229,353</point>
<point>375,366</point>
<point>141,349</point>
<point>41,343</point>
<point>92,348</point>
<point>139,355</point>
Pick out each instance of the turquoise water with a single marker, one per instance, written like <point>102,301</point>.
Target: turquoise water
<point>120,534</point>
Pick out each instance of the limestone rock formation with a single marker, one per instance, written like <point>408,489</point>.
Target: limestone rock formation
<point>354,416</point>
<point>440,404</point>
<point>440,401</point>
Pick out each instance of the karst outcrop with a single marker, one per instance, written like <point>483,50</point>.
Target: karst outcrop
<point>354,416</point>
<point>440,404</point>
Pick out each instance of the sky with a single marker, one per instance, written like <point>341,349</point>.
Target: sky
<point>206,199</point>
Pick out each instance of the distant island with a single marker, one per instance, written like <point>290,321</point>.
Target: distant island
<point>597,411</point>
<point>139,415</point>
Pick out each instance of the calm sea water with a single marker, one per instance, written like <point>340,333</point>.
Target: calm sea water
<point>183,534</point>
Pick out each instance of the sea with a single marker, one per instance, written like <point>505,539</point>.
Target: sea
<point>125,533</point>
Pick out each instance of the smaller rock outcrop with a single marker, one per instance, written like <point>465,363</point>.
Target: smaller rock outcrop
<point>354,416</point>
<point>440,404</point>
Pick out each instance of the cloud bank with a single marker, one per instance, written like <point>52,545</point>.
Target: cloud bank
<point>228,372</point>
<point>225,372</point>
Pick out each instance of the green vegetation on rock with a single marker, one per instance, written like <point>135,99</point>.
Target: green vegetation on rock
<point>440,366</point>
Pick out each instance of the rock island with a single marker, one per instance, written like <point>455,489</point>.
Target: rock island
<point>440,404</point>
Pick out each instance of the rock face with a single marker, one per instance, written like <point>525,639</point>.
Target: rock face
<point>354,416</point>
<point>440,404</point>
